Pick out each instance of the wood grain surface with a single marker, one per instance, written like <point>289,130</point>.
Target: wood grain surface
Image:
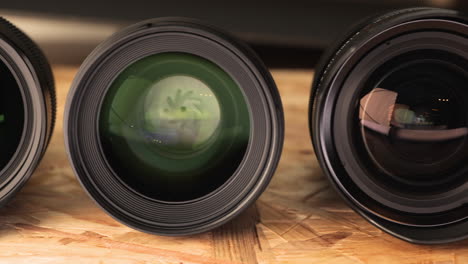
<point>299,219</point>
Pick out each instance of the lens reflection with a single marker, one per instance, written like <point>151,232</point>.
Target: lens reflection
<point>414,124</point>
<point>181,115</point>
<point>11,115</point>
<point>174,126</point>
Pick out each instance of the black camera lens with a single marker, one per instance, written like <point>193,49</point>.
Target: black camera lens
<point>27,108</point>
<point>173,127</point>
<point>389,122</point>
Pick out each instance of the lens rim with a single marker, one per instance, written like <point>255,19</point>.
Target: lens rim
<point>334,69</point>
<point>173,35</point>
<point>37,89</point>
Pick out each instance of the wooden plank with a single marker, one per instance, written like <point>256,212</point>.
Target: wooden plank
<point>299,219</point>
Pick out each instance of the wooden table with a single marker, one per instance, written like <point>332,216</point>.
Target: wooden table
<point>299,219</point>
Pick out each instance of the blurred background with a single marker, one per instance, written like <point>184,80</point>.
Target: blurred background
<point>286,34</point>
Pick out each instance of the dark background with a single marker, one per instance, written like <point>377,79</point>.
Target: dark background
<point>284,33</point>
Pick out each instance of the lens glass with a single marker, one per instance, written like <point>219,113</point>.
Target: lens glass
<point>412,120</point>
<point>11,115</point>
<point>174,126</point>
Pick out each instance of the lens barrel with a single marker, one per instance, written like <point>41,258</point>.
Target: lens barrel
<point>389,122</point>
<point>27,108</point>
<point>173,127</point>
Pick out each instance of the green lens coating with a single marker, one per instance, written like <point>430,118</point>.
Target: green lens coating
<point>174,126</point>
<point>11,115</point>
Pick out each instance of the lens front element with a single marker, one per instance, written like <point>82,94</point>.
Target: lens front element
<point>11,115</point>
<point>413,124</point>
<point>173,121</point>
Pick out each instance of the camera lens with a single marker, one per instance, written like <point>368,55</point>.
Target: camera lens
<point>27,108</point>
<point>173,127</point>
<point>389,122</point>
